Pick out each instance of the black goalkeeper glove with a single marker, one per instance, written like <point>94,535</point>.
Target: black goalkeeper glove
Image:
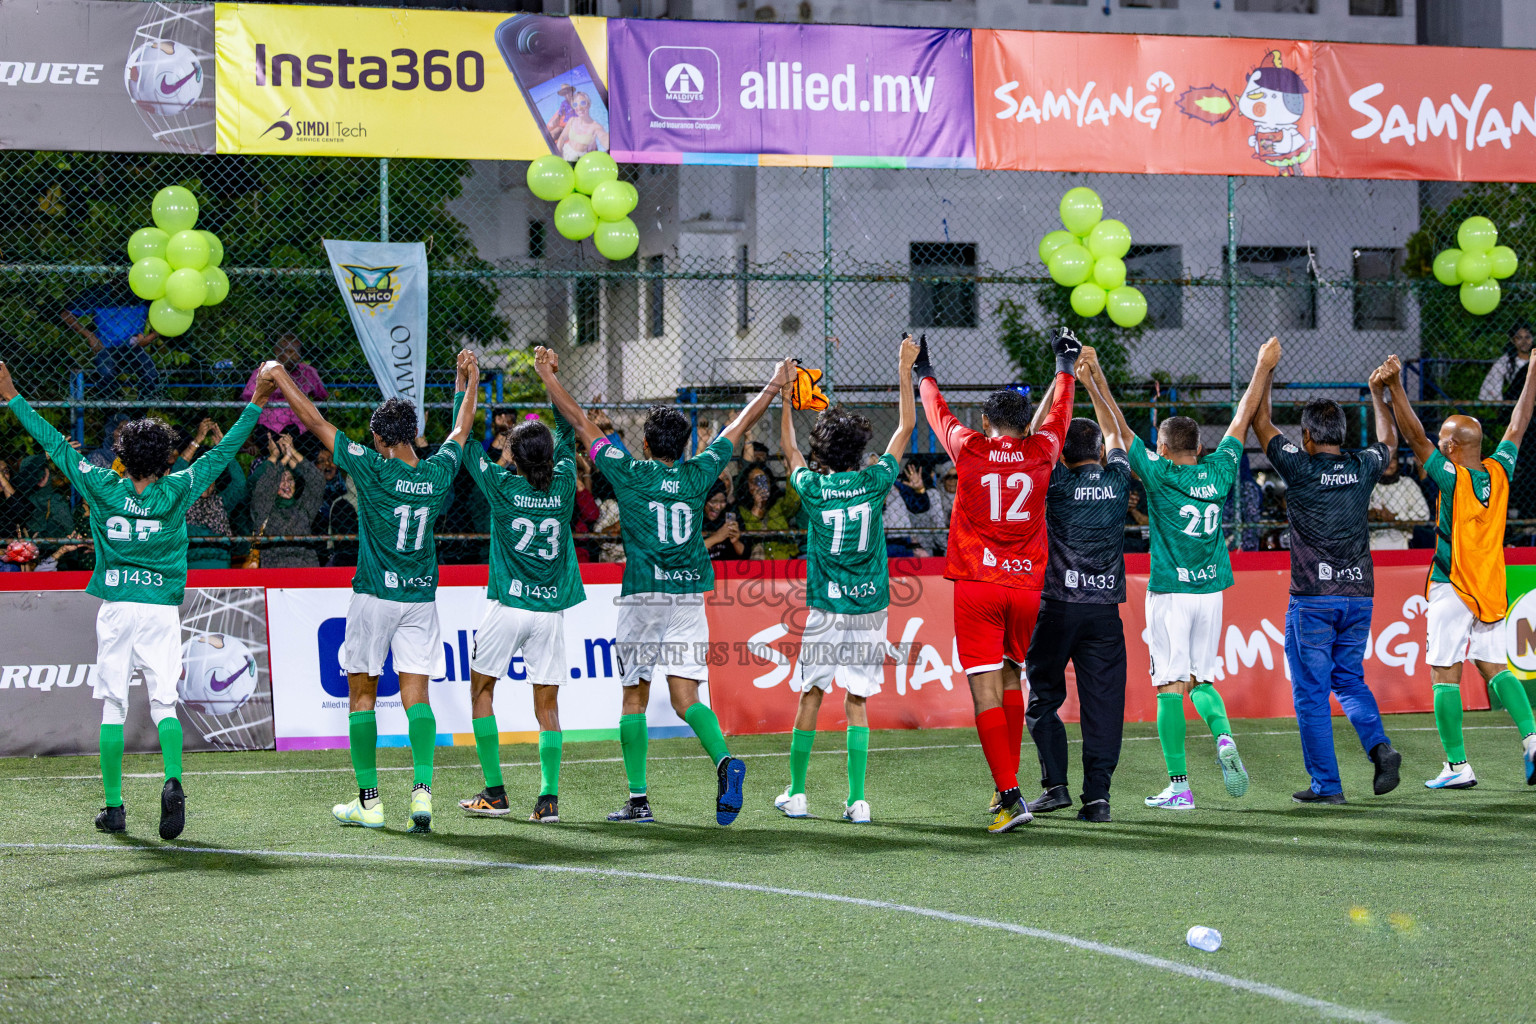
<point>1067,349</point>
<point>923,369</point>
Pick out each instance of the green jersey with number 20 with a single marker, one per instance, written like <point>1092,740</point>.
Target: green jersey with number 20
<point>847,572</point>
<point>660,512</point>
<point>1189,551</point>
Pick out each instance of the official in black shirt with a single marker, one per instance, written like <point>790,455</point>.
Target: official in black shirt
<point>1079,621</point>
<point>1328,622</point>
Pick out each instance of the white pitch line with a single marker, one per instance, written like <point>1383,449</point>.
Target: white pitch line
<point>1333,1011</point>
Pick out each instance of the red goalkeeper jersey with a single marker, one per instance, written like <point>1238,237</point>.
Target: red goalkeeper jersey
<point>997,524</point>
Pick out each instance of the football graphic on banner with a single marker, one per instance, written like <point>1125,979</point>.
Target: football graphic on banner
<point>163,77</point>
<point>218,673</point>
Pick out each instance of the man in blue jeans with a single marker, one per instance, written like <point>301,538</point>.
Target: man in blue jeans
<point>1328,496</point>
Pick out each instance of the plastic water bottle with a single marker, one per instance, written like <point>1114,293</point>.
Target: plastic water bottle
<point>1201,937</point>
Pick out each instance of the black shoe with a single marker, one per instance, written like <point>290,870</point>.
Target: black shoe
<point>173,809</point>
<point>732,772</point>
<point>1094,810</point>
<point>1387,761</point>
<point>1306,796</point>
<point>486,804</point>
<point>112,819</point>
<point>637,809</point>
<point>546,809</point>
<point>1052,799</point>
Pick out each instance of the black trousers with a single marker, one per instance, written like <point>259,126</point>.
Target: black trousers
<point>1092,638</point>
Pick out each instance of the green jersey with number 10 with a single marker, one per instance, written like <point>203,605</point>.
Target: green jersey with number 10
<point>1184,503</point>
<point>847,572</point>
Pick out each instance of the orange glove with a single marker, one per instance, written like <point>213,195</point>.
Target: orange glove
<point>804,392</point>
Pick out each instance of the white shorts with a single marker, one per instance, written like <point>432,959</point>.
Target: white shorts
<point>1455,634</point>
<point>133,636</point>
<point>376,627</point>
<point>507,632</point>
<point>663,635</point>
<point>851,649</point>
<point>1183,636</point>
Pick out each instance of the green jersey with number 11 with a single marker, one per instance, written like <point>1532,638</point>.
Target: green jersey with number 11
<point>847,572</point>
<point>1184,503</point>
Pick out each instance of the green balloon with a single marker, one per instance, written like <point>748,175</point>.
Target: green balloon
<point>551,178</point>
<point>1081,209</point>
<point>1477,234</point>
<point>1505,262</point>
<point>215,248</point>
<point>1480,299</point>
<point>1474,267</point>
<point>217,283</point>
<point>617,239</point>
<point>185,289</point>
<point>633,193</point>
<point>593,169</point>
<point>147,277</point>
<point>187,249</point>
<point>175,209</point>
<point>167,320</point>
<point>1109,272</point>
<point>1070,265</point>
<point>1109,238</point>
<point>1052,241</point>
<point>1088,299</point>
<point>147,242</point>
<point>574,217</point>
<point>610,201</point>
<point>1127,306</point>
<point>1445,267</point>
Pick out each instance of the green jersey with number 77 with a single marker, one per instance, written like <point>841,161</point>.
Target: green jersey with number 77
<point>1184,503</point>
<point>847,572</point>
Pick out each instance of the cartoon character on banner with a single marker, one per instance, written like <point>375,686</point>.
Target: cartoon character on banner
<point>1274,99</point>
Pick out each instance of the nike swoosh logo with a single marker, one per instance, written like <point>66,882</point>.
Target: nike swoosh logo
<point>166,90</point>
<point>218,685</point>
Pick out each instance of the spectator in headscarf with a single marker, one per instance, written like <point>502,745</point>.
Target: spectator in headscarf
<point>763,507</point>
<point>284,503</point>
<point>208,532</point>
<point>721,529</point>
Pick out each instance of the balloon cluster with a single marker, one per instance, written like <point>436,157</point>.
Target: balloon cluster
<point>1478,266</point>
<point>175,266</point>
<point>1089,258</point>
<point>590,201</point>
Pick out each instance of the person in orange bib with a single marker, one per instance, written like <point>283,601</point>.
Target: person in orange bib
<point>1466,591</point>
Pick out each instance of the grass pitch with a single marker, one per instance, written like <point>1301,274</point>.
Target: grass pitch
<point>1409,907</point>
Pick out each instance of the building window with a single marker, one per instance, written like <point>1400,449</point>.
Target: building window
<point>656,297</point>
<point>743,295</point>
<point>1062,3</point>
<point>1378,304</point>
<point>589,310</point>
<point>1164,5</point>
<point>1276,6</point>
<point>1163,266</point>
<point>1291,302</point>
<point>940,303</point>
<point>1376,8</point>
<point>535,239</point>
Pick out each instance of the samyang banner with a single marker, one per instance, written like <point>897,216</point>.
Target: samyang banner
<point>368,81</point>
<point>384,286</point>
<point>109,76</point>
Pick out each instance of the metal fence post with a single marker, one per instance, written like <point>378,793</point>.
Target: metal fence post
<point>384,199</point>
<point>828,378</point>
<point>1237,504</point>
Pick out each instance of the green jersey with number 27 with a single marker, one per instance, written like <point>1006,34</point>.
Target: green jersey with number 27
<point>1184,503</point>
<point>847,572</point>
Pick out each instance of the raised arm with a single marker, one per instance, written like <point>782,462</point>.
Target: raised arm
<point>1104,411</point>
<point>1258,389</point>
<point>793,459</point>
<point>736,429</point>
<point>546,363</point>
<point>951,432</point>
<point>55,444</point>
<point>211,466</point>
<point>1263,420</point>
<point>908,403</point>
<point>303,408</point>
<point>466,387</point>
<point>1520,417</point>
<point>1386,426</point>
<point>1408,423</point>
<point>1043,407</point>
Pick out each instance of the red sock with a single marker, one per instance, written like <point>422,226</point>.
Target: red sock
<point>1013,707</point>
<point>992,727</point>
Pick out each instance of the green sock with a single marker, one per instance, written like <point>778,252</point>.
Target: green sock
<point>1448,721</point>
<point>707,728</point>
<point>800,743</point>
<point>1515,700</point>
<point>421,727</point>
<point>112,764</point>
<point>634,738</point>
<point>550,741</point>
<point>1210,706</point>
<point>1170,732</point>
<point>858,760</point>
<point>170,747</point>
<point>363,740</point>
<point>488,747</point>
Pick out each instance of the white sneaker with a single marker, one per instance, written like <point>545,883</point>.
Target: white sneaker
<point>1174,798</point>
<point>792,806</point>
<point>1529,745</point>
<point>1453,778</point>
<point>857,812</point>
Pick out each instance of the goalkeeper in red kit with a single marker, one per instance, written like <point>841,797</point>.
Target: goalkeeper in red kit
<point>997,552</point>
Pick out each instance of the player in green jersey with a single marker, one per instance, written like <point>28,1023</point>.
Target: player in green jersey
<point>1190,569</point>
<point>534,578</point>
<point>848,585</point>
<point>661,627</point>
<point>399,497</point>
<point>139,529</point>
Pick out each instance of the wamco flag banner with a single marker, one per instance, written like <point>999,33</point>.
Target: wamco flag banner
<point>802,95</point>
<point>384,285</point>
<point>100,75</point>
